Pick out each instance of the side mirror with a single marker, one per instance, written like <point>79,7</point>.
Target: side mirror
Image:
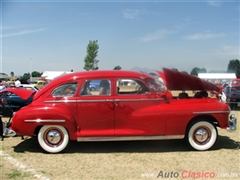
<point>167,95</point>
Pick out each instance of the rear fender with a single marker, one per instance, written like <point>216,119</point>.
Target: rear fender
<point>28,120</point>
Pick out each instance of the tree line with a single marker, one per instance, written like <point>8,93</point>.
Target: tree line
<point>91,63</point>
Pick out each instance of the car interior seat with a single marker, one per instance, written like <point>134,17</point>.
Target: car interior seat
<point>183,95</point>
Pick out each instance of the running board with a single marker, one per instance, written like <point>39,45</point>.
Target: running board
<point>128,138</point>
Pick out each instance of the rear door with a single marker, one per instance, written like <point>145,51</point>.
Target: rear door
<point>95,111</point>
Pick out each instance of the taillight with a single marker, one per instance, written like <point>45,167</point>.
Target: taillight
<point>4,101</point>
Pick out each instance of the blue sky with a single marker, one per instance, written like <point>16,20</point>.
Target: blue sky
<point>150,34</point>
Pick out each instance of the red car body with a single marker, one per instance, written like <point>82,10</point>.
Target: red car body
<point>235,82</point>
<point>144,111</point>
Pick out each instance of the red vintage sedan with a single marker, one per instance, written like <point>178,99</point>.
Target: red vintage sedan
<point>144,109</point>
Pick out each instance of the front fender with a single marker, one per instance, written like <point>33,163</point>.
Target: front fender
<point>27,119</point>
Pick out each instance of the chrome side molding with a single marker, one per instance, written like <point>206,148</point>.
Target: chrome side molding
<point>44,121</point>
<point>128,138</point>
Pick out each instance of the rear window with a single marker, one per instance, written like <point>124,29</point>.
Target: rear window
<point>68,89</point>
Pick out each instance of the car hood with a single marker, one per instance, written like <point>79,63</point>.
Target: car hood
<point>175,80</point>
<point>21,92</point>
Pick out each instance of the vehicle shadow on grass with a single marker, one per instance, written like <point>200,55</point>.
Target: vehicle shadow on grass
<point>31,145</point>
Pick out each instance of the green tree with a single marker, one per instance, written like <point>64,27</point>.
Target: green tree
<point>185,72</point>
<point>117,68</point>
<point>36,74</point>
<point>25,76</point>
<point>234,67</point>
<point>175,69</point>
<point>91,63</point>
<point>217,71</point>
<point>197,70</point>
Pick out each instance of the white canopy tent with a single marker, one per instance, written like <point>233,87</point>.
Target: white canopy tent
<point>217,76</point>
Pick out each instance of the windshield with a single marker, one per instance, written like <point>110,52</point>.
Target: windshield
<point>156,84</point>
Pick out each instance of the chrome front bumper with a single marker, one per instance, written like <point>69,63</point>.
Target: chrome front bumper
<point>232,125</point>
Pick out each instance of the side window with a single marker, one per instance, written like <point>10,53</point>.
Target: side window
<point>65,90</point>
<point>96,87</point>
<point>131,86</point>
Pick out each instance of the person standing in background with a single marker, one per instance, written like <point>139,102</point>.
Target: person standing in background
<point>17,83</point>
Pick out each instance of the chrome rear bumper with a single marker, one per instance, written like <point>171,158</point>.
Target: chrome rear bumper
<point>6,131</point>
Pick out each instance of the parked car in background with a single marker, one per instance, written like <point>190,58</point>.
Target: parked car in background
<point>66,110</point>
<point>94,85</point>
<point>29,87</point>
<point>235,82</point>
<point>40,83</point>
<point>13,99</point>
<point>3,86</point>
<point>233,96</point>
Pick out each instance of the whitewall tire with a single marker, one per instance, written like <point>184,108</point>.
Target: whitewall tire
<point>53,138</point>
<point>202,135</point>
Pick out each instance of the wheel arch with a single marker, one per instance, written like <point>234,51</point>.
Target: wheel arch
<point>60,113</point>
<point>207,118</point>
<point>37,129</point>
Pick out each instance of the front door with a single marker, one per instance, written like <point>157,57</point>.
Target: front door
<point>137,111</point>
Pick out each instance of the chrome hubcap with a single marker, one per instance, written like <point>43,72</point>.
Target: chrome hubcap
<point>53,137</point>
<point>201,135</point>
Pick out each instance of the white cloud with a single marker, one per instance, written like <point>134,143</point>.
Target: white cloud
<point>132,13</point>
<point>158,34</point>
<point>231,50</point>
<point>136,13</point>
<point>214,3</point>
<point>227,51</point>
<point>203,36</point>
<point>23,32</point>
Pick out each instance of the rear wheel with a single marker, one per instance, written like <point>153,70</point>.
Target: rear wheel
<point>53,138</point>
<point>201,135</point>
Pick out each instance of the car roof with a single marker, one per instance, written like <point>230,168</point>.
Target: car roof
<point>93,74</point>
<point>100,74</point>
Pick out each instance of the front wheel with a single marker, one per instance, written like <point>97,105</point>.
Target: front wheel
<point>201,135</point>
<point>53,138</point>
